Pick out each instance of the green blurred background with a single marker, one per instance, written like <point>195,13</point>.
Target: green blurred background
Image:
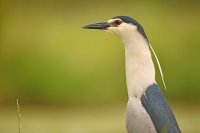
<point>70,80</point>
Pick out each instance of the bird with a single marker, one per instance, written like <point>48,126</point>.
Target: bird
<point>147,110</point>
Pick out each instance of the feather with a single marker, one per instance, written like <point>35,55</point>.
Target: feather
<point>159,66</point>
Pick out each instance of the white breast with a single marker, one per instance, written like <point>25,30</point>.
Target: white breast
<point>137,119</point>
<point>140,72</point>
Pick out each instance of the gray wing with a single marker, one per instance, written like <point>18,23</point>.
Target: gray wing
<point>159,111</point>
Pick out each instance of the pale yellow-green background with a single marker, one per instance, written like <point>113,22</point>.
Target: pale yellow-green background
<point>70,80</point>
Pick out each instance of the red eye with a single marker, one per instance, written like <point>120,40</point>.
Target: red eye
<point>117,22</point>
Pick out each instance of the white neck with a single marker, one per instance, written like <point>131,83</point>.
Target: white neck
<point>140,72</point>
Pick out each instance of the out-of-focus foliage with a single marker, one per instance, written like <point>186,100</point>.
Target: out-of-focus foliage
<point>46,58</point>
<point>45,55</point>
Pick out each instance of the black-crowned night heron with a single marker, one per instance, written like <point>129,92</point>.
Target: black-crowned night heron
<point>147,111</point>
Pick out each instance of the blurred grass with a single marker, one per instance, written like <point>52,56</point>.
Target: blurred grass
<point>96,119</point>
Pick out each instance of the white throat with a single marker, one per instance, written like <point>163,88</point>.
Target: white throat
<point>140,72</point>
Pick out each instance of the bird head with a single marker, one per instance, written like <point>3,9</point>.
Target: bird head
<point>129,30</point>
<point>122,26</point>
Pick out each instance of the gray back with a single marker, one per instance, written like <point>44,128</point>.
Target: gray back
<point>159,111</point>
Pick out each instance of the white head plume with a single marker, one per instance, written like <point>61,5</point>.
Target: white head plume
<point>159,66</point>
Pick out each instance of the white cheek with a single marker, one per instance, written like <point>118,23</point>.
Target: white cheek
<point>123,30</point>
<point>113,30</point>
<point>127,28</point>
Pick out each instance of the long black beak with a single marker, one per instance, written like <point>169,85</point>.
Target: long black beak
<point>100,26</point>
